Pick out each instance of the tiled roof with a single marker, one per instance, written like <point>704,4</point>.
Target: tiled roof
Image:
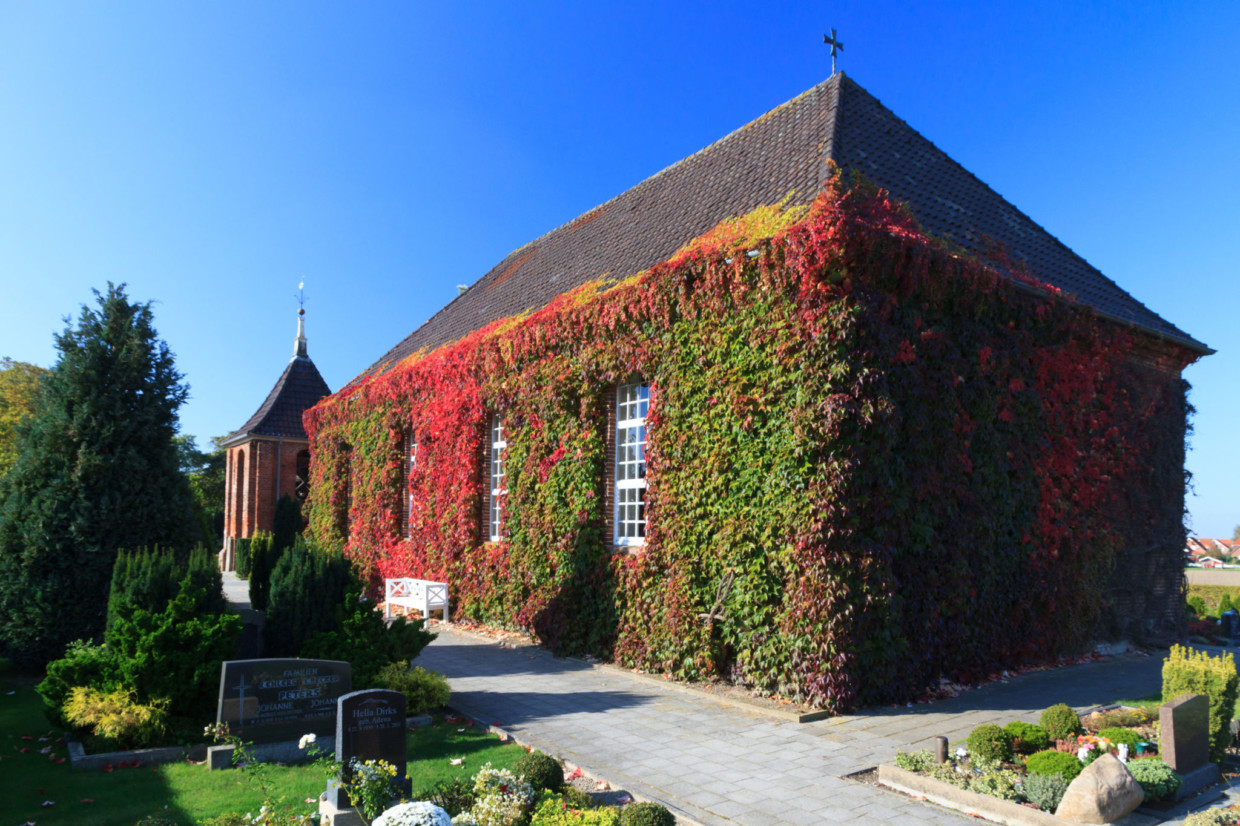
<point>299,388</point>
<point>783,152</point>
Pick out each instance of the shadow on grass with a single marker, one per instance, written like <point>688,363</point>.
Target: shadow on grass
<point>41,787</point>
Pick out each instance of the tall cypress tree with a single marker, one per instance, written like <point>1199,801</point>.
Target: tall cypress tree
<point>96,471</point>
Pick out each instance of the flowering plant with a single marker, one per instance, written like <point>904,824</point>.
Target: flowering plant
<point>503,799</point>
<point>418,813</point>
<point>369,784</point>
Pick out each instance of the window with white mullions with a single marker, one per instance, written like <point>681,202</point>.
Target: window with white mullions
<point>498,444</point>
<point>632,403</point>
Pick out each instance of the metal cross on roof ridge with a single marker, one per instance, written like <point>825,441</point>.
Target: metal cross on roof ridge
<point>835,45</point>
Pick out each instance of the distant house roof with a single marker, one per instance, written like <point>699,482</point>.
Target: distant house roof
<point>299,388</point>
<point>783,152</point>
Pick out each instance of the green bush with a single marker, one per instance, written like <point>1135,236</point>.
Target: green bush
<point>1061,722</point>
<point>84,664</point>
<point>174,653</point>
<point>1225,605</point>
<point>577,799</point>
<point>915,761</point>
<point>557,810</point>
<point>286,525</point>
<point>1027,738</point>
<point>646,814</point>
<point>542,771</point>
<point>308,586</point>
<point>996,782</point>
<point>1054,762</point>
<point>1158,780</point>
<point>423,690</point>
<point>261,563</point>
<point>453,796</point>
<point>116,717</point>
<point>1117,736</point>
<point>149,578</point>
<point>990,743</point>
<point>1197,605</point>
<point>241,558</point>
<point>1189,672</point>
<point>1045,790</point>
<point>367,642</point>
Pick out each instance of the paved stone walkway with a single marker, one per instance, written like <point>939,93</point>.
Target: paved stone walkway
<point>720,765</point>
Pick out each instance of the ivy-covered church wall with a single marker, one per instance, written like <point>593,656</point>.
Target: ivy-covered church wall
<point>872,462</point>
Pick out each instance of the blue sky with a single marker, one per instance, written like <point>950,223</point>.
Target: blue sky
<point>214,155</point>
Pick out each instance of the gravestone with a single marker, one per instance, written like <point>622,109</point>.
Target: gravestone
<point>267,701</point>
<point>370,725</point>
<point>1184,741</point>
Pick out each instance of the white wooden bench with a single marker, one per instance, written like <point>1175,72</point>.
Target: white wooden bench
<point>418,594</point>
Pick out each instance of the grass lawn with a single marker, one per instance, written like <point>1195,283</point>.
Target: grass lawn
<point>183,792</point>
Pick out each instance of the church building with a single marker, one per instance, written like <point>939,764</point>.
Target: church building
<point>814,410</point>
<point>269,456</point>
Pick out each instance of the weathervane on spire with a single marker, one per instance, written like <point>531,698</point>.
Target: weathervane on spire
<point>299,344</point>
<point>836,46</point>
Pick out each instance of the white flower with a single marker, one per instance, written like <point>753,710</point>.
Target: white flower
<point>413,814</point>
<point>306,739</point>
<point>961,753</point>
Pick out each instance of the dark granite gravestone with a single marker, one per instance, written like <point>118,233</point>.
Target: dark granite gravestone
<point>1184,741</point>
<point>266,701</point>
<point>370,725</point>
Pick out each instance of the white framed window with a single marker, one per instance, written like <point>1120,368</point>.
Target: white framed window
<point>632,404</point>
<point>498,444</point>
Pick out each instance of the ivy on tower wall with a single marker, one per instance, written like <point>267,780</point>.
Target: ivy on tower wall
<point>873,461</point>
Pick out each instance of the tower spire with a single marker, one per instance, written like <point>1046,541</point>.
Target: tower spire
<point>299,344</point>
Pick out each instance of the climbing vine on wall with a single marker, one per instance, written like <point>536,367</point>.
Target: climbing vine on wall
<point>873,461</point>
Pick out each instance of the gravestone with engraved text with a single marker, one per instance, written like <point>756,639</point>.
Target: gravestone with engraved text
<point>267,701</point>
<point>370,725</point>
<point>1184,741</point>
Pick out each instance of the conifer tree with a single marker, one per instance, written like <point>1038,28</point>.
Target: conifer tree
<point>96,471</point>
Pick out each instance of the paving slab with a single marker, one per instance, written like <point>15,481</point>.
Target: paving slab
<point>723,764</point>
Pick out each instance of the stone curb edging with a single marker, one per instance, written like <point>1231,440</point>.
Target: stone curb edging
<point>682,688</point>
<point>980,805</point>
<point>638,791</point>
<point>79,760</point>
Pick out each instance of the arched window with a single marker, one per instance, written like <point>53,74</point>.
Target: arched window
<point>302,482</point>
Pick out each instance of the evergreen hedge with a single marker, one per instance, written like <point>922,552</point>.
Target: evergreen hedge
<point>308,586</point>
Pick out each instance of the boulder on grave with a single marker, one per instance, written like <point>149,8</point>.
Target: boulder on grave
<point>1103,793</point>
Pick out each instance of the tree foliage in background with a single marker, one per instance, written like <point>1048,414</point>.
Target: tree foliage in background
<point>205,473</point>
<point>19,388</point>
<point>97,470</point>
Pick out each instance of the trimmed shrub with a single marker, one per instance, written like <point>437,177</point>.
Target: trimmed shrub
<point>990,743</point>
<point>1061,722</point>
<point>1225,605</point>
<point>1028,738</point>
<point>308,586</point>
<point>423,689</point>
<point>115,716</point>
<point>646,814</point>
<point>241,559</point>
<point>1197,606</point>
<point>85,665</point>
<point>1045,790</point>
<point>367,642</point>
<point>915,761</point>
<point>557,810</point>
<point>1190,672</point>
<point>261,563</point>
<point>542,771</point>
<point>1158,780</point>
<point>577,799</point>
<point>1117,736</point>
<point>453,796</point>
<point>174,653</point>
<point>1054,762</point>
<point>286,525</point>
